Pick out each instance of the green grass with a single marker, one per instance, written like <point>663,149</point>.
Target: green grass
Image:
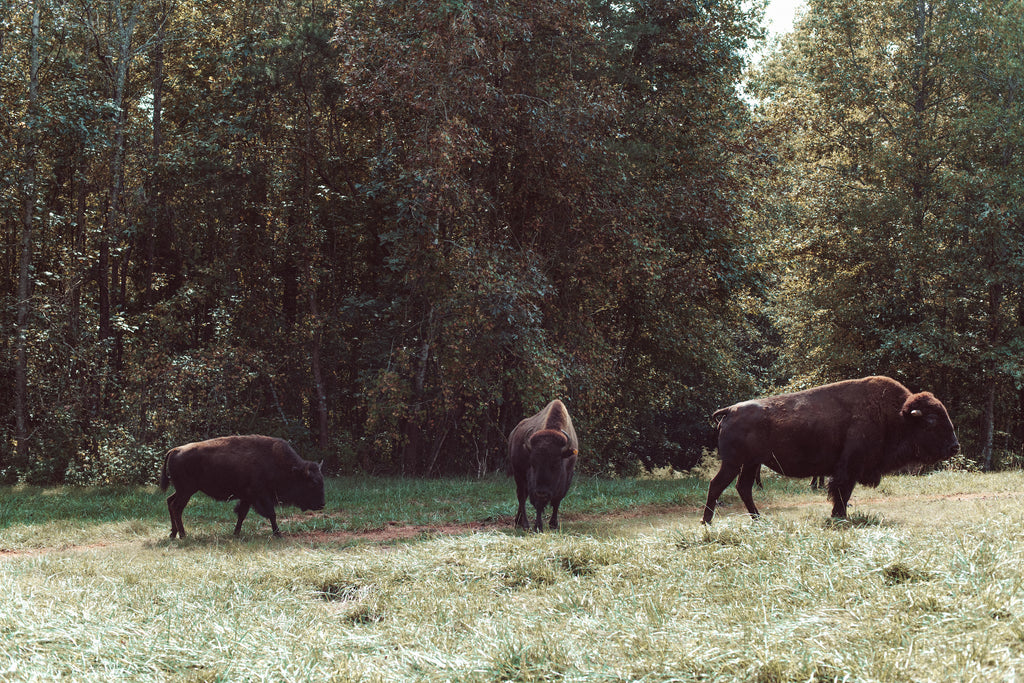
<point>923,583</point>
<point>36,517</point>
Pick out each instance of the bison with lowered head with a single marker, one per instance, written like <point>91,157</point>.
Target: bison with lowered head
<point>853,431</point>
<point>258,471</point>
<point>543,451</point>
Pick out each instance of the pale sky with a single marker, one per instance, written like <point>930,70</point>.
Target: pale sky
<point>780,13</point>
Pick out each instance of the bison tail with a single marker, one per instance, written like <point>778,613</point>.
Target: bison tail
<point>164,479</point>
<point>718,416</point>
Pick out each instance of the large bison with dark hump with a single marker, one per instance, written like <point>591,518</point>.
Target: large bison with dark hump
<point>258,471</point>
<point>543,451</point>
<point>853,431</point>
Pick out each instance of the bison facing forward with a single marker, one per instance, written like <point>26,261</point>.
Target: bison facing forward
<point>543,451</point>
<point>258,471</point>
<point>854,431</point>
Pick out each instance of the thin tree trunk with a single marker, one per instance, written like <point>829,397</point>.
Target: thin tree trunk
<point>21,427</point>
<point>412,452</point>
<point>988,428</point>
<point>995,301</point>
<point>112,229</point>
<point>318,380</point>
<point>155,192</point>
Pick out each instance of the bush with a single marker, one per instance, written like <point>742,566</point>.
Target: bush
<point>116,458</point>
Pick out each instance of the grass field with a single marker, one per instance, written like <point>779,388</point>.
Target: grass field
<point>402,580</point>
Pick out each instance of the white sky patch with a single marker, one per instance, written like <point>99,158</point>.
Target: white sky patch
<point>780,14</point>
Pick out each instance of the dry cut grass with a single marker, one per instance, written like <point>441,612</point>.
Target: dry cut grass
<point>924,583</point>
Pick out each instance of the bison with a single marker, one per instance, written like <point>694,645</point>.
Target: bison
<point>543,450</point>
<point>258,471</point>
<point>853,431</point>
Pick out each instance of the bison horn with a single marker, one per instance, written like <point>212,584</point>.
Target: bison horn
<point>915,413</point>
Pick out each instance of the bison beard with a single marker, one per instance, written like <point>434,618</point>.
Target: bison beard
<point>854,431</point>
<point>259,471</point>
<point>543,450</point>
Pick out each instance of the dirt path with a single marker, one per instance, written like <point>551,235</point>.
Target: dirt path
<point>397,531</point>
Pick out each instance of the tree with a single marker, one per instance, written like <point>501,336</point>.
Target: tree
<point>558,184</point>
<point>29,150</point>
<point>875,115</point>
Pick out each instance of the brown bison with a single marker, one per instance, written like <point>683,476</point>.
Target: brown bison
<point>543,451</point>
<point>258,471</point>
<point>854,431</point>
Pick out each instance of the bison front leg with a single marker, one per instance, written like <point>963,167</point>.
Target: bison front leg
<point>539,524</point>
<point>553,522</point>
<point>521,494</point>
<point>241,509</point>
<point>839,492</point>
<point>266,508</point>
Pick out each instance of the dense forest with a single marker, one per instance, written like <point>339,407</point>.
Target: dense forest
<point>389,229</point>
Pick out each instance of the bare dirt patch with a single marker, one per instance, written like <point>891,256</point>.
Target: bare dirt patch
<point>396,532</point>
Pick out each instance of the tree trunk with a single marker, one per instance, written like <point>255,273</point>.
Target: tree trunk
<point>112,227</point>
<point>988,428</point>
<point>318,381</point>
<point>21,427</point>
<point>412,430</point>
<point>995,300</point>
<point>155,181</point>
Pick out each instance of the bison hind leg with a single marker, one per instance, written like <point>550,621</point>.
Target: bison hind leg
<point>726,473</point>
<point>176,503</point>
<point>241,509</point>
<point>751,472</point>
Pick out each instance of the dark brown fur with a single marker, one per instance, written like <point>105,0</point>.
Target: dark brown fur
<point>258,471</point>
<point>853,431</point>
<point>543,451</point>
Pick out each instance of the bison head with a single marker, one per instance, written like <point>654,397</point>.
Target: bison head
<point>928,430</point>
<point>305,488</point>
<point>548,451</point>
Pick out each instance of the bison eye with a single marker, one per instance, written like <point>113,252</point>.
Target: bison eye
<point>932,420</point>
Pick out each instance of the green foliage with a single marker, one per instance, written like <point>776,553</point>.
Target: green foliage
<point>888,183</point>
<point>385,231</point>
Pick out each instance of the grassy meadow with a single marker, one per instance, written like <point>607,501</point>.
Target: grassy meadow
<point>924,583</point>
